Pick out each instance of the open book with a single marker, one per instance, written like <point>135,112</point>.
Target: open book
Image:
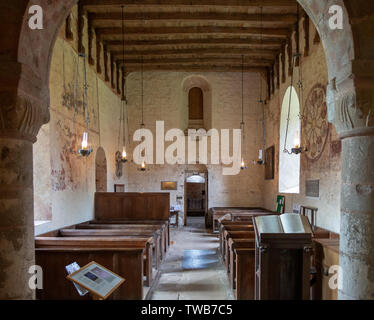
<point>285,223</point>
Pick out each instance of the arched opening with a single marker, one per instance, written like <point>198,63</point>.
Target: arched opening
<point>101,171</point>
<point>289,164</point>
<point>195,108</point>
<point>196,103</point>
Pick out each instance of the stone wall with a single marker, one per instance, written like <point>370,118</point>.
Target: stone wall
<point>327,168</point>
<point>164,100</point>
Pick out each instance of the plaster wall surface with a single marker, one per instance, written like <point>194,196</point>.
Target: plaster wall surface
<point>327,168</point>
<point>64,181</point>
<point>164,100</point>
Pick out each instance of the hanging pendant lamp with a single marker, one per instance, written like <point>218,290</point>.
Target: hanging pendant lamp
<point>143,165</point>
<point>261,101</point>
<point>243,165</point>
<point>297,148</point>
<point>122,156</point>
<point>86,149</point>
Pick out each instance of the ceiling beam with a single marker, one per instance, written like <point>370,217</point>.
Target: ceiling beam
<point>225,3</point>
<point>196,68</point>
<point>212,16</point>
<point>237,41</point>
<point>211,60</point>
<point>276,32</point>
<point>239,51</point>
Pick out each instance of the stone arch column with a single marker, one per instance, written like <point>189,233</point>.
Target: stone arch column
<point>350,99</point>
<point>24,108</point>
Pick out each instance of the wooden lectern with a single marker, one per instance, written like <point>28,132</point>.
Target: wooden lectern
<point>282,265</point>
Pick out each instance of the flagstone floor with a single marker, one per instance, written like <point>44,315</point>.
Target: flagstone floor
<point>192,269</point>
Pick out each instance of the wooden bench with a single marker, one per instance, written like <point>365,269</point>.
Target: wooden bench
<point>121,255</point>
<point>238,253</point>
<point>164,225</point>
<point>222,225</point>
<point>234,235</point>
<point>148,255</point>
<point>160,234</point>
<point>236,212</point>
<point>242,262</point>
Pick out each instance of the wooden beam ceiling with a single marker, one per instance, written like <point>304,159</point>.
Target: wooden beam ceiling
<point>195,16</point>
<point>270,32</point>
<point>190,35</point>
<point>225,3</point>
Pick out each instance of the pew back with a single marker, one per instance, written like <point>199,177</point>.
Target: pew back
<point>132,206</point>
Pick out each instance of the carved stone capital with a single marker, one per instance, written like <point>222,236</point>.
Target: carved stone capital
<point>350,116</point>
<point>24,102</point>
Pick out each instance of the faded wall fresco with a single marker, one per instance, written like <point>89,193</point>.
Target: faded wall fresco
<point>327,167</point>
<point>64,181</point>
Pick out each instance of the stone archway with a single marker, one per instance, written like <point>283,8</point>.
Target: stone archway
<point>350,102</point>
<point>101,171</point>
<point>24,108</point>
<point>24,97</point>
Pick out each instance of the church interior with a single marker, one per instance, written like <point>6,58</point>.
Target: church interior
<point>196,149</point>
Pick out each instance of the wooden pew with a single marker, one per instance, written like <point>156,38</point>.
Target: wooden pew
<point>135,208</point>
<point>121,255</point>
<point>234,235</point>
<point>236,213</point>
<point>242,264</point>
<point>148,256</point>
<point>221,228</point>
<point>164,224</point>
<point>160,241</point>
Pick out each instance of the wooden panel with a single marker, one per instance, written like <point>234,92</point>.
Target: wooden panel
<point>132,206</point>
<point>127,263</point>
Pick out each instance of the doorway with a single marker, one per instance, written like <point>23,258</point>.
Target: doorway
<point>196,194</point>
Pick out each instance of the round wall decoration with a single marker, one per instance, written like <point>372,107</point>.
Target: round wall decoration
<point>315,123</point>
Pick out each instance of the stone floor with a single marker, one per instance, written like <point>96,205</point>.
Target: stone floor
<point>192,275</point>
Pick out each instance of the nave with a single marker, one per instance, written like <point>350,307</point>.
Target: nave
<point>206,279</point>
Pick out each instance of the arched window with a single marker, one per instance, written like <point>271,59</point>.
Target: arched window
<point>195,104</point>
<point>289,164</point>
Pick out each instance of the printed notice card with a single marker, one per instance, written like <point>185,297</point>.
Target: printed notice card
<point>97,279</point>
